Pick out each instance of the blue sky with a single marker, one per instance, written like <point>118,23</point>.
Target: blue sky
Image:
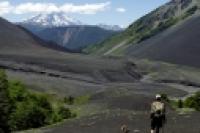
<point>119,12</point>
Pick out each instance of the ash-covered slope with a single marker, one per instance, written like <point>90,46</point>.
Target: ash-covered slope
<point>147,26</point>
<point>180,45</point>
<point>19,48</point>
<point>169,33</point>
<point>16,40</point>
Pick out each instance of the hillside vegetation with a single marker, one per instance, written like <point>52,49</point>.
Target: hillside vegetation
<point>21,109</point>
<point>147,26</point>
<point>75,38</point>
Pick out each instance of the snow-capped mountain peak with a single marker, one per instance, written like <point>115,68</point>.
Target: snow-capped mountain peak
<point>53,20</point>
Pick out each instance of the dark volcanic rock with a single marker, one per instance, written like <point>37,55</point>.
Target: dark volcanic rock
<point>178,45</point>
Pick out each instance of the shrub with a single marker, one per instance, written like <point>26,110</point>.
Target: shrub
<point>166,24</point>
<point>61,113</point>
<point>189,12</point>
<point>64,112</point>
<point>149,32</point>
<point>69,100</point>
<point>4,102</point>
<point>28,115</point>
<point>165,97</point>
<point>192,10</point>
<point>17,91</point>
<point>28,110</point>
<point>82,99</point>
<point>31,110</point>
<point>193,101</point>
<point>180,103</point>
<point>21,109</point>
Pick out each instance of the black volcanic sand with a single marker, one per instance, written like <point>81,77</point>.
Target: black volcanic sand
<point>110,123</point>
<point>114,101</point>
<point>94,68</point>
<point>135,96</point>
<point>131,110</point>
<point>127,106</point>
<point>118,94</point>
<point>179,45</point>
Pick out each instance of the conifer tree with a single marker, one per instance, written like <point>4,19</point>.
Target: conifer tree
<point>4,102</point>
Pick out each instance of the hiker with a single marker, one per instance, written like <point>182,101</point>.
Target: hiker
<point>157,115</point>
<point>124,129</point>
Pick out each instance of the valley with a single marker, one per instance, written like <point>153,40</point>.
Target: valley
<point>67,32</point>
<point>113,101</point>
<point>102,75</point>
<point>117,102</point>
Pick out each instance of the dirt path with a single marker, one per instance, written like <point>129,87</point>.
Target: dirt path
<point>115,47</point>
<point>189,89</point>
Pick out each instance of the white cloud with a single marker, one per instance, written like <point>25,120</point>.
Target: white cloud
<point>85,9</point>
<point>24,8</point>
<point>121,9</point>
<point>5,7</point>
<point>35,8</point>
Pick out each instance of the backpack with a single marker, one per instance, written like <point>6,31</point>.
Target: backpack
<point>158,109</point>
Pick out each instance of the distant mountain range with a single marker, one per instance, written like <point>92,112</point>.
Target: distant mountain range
<point>68,32</point>
<point>75,38</point>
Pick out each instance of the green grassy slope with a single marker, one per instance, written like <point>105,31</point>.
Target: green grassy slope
<point>146,27</point>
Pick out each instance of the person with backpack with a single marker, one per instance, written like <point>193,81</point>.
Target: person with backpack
<point>157,115</point>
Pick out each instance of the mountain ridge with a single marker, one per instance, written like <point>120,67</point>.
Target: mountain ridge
<point>60,19</point>
<point>178,46</point>
<point>149,25</point>
<point>17,40</point>
<point>75,38</point>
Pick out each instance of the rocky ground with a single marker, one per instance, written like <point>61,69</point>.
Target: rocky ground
<point>116,97</point>
<point>137,123</point>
